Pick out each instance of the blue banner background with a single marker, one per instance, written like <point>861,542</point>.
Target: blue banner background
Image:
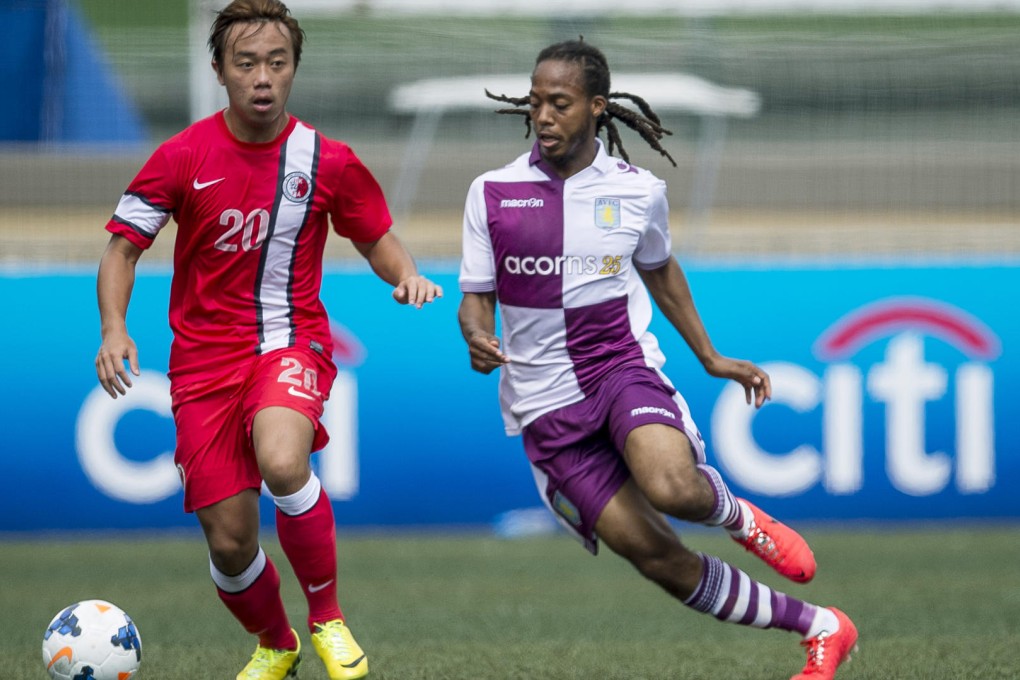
<point>431,450</point>
<point>61,86</point>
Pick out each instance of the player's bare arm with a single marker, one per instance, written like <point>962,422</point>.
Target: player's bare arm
<point>114,284</point>
<point>393,264</point>
<point>668,287</point>
<point>477,317</point>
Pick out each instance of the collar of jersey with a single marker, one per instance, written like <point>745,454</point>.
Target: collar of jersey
<point>603,162</point>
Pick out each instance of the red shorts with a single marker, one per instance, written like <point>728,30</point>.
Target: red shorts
<point>215,456</point>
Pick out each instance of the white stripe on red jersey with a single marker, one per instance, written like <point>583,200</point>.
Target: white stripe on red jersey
<point>145,218</point>
<point>276,271</point>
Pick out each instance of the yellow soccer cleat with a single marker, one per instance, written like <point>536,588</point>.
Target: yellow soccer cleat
<point>338,650</point>
<point>272,664</point>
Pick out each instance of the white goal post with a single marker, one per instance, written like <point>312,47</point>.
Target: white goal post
<point>428,100</point>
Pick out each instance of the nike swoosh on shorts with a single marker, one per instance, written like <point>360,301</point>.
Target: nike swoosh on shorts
<point>291,390</point>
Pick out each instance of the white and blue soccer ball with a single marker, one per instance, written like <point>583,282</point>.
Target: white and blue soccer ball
<point>92,640</point>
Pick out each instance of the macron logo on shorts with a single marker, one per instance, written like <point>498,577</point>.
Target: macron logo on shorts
<point>645,410</point>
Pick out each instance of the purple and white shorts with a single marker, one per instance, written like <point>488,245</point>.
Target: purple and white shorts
<point>576,451</point>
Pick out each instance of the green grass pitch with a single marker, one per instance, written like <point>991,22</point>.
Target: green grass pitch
<point>930,604</point>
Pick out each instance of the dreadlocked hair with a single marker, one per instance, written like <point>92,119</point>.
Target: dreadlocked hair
<point>595,74</point>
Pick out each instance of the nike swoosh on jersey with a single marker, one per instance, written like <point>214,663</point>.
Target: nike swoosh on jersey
<point>202,185</point>
<point>296,393</point>
<point>315,589</point>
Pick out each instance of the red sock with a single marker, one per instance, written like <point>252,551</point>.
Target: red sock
<point>260,609</point>
<point>309,541</point>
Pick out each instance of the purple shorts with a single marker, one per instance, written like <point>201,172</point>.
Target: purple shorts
<point>576,451</point>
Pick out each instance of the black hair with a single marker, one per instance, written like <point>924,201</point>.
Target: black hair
<point>595,74</point>
<point>259,12</point>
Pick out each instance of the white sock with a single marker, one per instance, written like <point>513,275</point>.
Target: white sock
<point>302,500</point>
<point>238,582</point>
<point>824,620</point>
<point>747,516</point>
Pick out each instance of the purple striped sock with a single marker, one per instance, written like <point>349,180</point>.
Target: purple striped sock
<point>726,511</point>
<point>729,594</point>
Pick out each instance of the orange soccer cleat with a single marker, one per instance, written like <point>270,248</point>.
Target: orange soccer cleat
<point>827,651</point>
<point>778,546</point>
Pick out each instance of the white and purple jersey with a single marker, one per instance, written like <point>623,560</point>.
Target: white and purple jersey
<point>560,256</point>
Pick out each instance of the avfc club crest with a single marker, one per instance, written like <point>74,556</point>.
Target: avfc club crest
<point>607,213</point>
<point>297,187</point>
<point>566,509</point>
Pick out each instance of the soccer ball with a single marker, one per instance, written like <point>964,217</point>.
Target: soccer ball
<point>92,640</point>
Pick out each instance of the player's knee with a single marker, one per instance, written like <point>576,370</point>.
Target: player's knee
<point>231,553</point>
<point>678,494</point>
<point>284,475</point>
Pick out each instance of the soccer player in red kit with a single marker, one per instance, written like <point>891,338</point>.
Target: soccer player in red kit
<point>253,191</point>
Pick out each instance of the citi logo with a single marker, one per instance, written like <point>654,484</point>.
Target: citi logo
<point>904,395</point>
<point>521,203</point>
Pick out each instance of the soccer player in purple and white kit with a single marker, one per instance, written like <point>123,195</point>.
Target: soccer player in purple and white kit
<point>567,242</point>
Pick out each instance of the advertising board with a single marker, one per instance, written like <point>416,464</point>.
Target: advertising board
<point>891,401</point>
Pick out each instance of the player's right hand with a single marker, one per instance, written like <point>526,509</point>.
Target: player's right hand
<point>755,381</point>
<point>116,348</point>
<point>485,354</point>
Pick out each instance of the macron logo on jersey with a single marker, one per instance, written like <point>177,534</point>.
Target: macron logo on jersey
<point>521,203</point>
<point>646,410</point>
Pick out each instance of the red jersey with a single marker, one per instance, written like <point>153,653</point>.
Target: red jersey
<point>252,225</point>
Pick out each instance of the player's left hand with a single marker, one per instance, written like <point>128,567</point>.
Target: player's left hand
<point>754,380</point>
<point>416,290</point>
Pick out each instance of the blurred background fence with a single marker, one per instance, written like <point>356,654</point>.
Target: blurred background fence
<point>883,128</point>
